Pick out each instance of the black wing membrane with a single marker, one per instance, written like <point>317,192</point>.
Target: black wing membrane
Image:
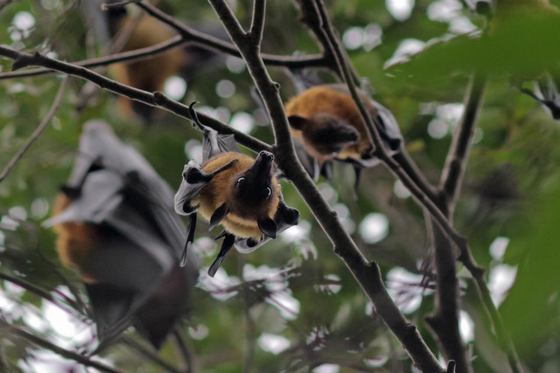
<point>138,255</point>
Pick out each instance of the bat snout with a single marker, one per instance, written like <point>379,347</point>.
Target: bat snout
<point>266,155</point>
<point>262,167</point>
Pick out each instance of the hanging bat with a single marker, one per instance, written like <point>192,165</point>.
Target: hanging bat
<point>327,125</point>
<point>116,227</point>
<point>151,74</point>
<point>233,190</point>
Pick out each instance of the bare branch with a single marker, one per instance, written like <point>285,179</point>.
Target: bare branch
<point>451,180</point>
<point>257,23</point>
<point>147,353</point>
<point>186,354</point>
<point>56,349</point>
<point>366,273</point>
<point>454,170</point>
<point>156,99</point>
<point>44,123</point>
<point>131,56</point>
<point>44,294</point>
<point>444,321</point>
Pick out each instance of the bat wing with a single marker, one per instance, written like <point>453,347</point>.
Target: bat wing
<point>188,190</point>
<point>303,79</point>
<point>388,128</point>
<point>100,148</point>
<point>285,217</point>
<point>213,143</point>
<point>309,163</point>
<point>119,190</point>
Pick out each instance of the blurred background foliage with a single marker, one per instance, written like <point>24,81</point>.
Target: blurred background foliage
<point>292,305</point>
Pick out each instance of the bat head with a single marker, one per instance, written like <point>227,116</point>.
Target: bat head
<point>324,134</point>
<point>254,193</point>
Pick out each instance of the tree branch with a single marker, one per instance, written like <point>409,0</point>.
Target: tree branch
<point>183,349</point>
<point>451,180</point>
<point>56,349</point>
<point>257,22</point>
<point>209,42</point>
<point>44,123</point>
<point>454,169</point>
<point>366,273</point>
<point>444,321</point>
<point>44,294</point>
<point>156,99</point>
<point>130,56</point>
<point>148,354</point>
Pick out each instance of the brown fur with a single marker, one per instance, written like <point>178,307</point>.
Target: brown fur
<point>75,241</point>
<point>333,100</point>
<point>218,192</point>
<point>149,74</point>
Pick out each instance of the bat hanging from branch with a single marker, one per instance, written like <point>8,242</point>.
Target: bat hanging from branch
<point>235,191</point>
<point>152,74</point>
<point>326,125</point>
<point>116,227</point>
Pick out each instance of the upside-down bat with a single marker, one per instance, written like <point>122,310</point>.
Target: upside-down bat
<point>233,190</point>
<point>116,227</point>
<point>327,125</point>
<point>151,74</point>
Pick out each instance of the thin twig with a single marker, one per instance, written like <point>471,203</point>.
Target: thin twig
<point>130,56</point>
<point>44,294</point>
<point>249,323</point>
<point>444,321</point>
<point>147,353</point>
<point>184,350</point>
<point>454,169</point>
<point>56,349</point>
<point>366,273</point>
<point>44,123</point>
<point>156,99</point>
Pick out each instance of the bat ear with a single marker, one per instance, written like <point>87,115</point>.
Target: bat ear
<point>297,122</point>
<point>218,216</point>
<point>268,227</point>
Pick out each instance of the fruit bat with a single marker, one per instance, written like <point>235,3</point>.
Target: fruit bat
<point>116,227</point>
<point>151,74</point>
<point>328,126</point>
<point>236,191</point>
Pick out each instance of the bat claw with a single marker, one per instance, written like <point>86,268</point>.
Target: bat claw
<point>190,239</point>
<point>226,247</point>
<point>221,235</point>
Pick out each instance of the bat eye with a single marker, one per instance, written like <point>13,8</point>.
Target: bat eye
<point>239,181</point>
<point>268,192</point>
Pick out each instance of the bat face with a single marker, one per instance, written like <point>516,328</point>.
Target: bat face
<point>251,192</point>
<point>243,197</point>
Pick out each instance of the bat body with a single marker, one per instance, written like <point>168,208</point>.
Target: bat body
<point>151,74</point>
<point>236,191</point>
<point>328,125</point>
<point>116,227</point>
<point>243,216</point>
